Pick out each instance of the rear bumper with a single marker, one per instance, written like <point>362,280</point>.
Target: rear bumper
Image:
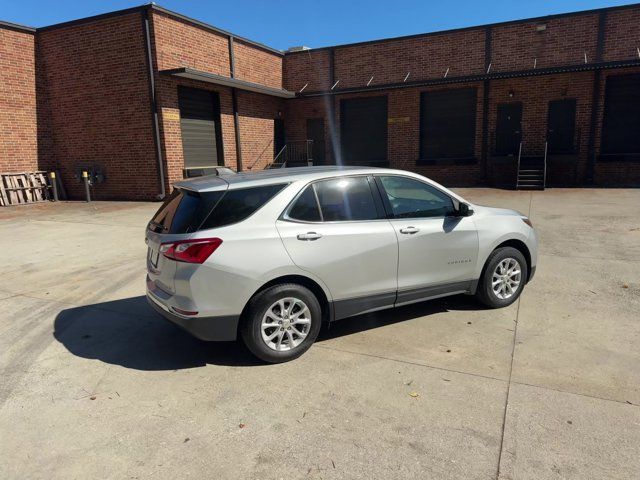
<point>205,328</point>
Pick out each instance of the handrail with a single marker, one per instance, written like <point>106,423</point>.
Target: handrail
<point>261,154</point>
<point>544,172</point>
<point>293,153</point>
<point>518,171</point>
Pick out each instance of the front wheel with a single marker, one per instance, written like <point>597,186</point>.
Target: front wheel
<point>503,278</point>
<point>281,322</point>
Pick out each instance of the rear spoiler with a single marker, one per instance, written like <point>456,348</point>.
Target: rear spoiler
<point>208,183</point>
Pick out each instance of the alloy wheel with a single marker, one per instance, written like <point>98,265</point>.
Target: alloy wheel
<point>506,278</point>
<point>286,324</point>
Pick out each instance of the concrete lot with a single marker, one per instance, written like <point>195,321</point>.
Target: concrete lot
<point>95,385</point>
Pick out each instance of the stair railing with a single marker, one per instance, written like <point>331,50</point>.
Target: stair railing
<point>265,149</point>
<point>518,171</point>
<point>294,154</point>
<point>544,172</point>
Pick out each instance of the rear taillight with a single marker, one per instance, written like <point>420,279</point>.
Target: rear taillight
<point>190,251</point>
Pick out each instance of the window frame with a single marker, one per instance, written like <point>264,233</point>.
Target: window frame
<point>375,194</point>
<point>387,205</point>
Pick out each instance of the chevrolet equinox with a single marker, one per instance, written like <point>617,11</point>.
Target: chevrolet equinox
<point>271,255</point>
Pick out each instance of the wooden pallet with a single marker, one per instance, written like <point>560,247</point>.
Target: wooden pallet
<point>24,187</point>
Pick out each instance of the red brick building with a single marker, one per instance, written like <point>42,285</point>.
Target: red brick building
<point>144,96</point>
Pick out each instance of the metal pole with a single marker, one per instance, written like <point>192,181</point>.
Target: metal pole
<point>85,177</point>
<point>54,185</point>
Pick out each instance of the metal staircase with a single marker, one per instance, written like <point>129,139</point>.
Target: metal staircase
<point>532,171</point>
<point>293,154</point>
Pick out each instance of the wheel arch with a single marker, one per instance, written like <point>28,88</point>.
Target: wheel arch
<point>325,304</point>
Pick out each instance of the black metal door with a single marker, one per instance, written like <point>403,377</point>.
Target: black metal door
<point>508,128</point>
<point>621,121</point>
<point>200,127</point>
<point>315,132</point>
<point>561,126</point>
<point>279,138</point>
<point>363,131</point>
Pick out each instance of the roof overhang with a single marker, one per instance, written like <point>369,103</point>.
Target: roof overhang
<point>192,74</point>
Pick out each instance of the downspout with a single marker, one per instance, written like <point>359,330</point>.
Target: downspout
<point>154,104</point>
<point>234,101</point>
<point>595,102</point>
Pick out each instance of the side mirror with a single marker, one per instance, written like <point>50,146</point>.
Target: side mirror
<point>464,210</point>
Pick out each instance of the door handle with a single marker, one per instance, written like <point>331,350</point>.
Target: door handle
<point>409,230</point>
<point>309,236</point>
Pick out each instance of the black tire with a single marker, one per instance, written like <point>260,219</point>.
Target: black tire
<point>485,291</point>
<point>250,327</point>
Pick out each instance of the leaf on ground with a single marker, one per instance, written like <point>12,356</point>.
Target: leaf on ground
<point>414,394</point>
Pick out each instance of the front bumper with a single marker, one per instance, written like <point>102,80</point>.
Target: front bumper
<point>205,328</point>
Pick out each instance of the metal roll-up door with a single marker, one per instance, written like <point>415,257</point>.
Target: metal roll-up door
<point>363,131</point>
<point>200,127</point>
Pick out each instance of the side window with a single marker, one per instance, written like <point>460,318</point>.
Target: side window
<point>411,198</point>
<point>305,207</point>
<point>346,198</point>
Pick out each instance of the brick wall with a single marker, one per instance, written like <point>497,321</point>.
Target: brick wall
<point>310,67</point>
<point>78,96</point>
<point>257,65</point>
<point>180,43</point>
<point>513,46</point>
<point>18,114</point>
<point>96,84</point>
<point>564,42</point>
<point>622,35</point>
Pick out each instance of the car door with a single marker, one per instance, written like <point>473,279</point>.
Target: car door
<point>336,229</point>
<point>438,250</point>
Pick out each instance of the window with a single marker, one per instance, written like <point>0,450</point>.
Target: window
<point>237,205</point>
<point>346,198</point>
<point>448,124</point>
<point>621,122</point>
<point>183,211</point>
<point>411,198</point>
<point>305,207</point>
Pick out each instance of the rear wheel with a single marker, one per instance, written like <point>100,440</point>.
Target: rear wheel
<point>503,279</point>
<point>281,322</point>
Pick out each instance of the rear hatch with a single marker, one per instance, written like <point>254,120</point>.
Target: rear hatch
<point>181,214</point>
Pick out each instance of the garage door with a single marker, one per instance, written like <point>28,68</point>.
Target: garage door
<point>200,126</point>
<point>363,131</point>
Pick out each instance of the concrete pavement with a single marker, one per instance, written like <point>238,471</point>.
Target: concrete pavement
<point>95,384</point>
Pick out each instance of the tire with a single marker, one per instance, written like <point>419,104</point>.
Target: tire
<point>273,344</point>
<point>502,260</point>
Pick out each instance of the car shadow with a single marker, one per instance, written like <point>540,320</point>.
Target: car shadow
<point>129,333</point>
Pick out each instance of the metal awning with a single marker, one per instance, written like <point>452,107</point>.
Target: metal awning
<point>186,72</point>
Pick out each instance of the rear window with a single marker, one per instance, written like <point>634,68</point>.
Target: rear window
<point>185,211</point>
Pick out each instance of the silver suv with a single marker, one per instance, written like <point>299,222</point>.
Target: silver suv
<point>271,255</point>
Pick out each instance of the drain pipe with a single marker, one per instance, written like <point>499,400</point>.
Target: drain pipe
<point>154,104</point>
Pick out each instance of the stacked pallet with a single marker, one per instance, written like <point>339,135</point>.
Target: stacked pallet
<point>25,187</point>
